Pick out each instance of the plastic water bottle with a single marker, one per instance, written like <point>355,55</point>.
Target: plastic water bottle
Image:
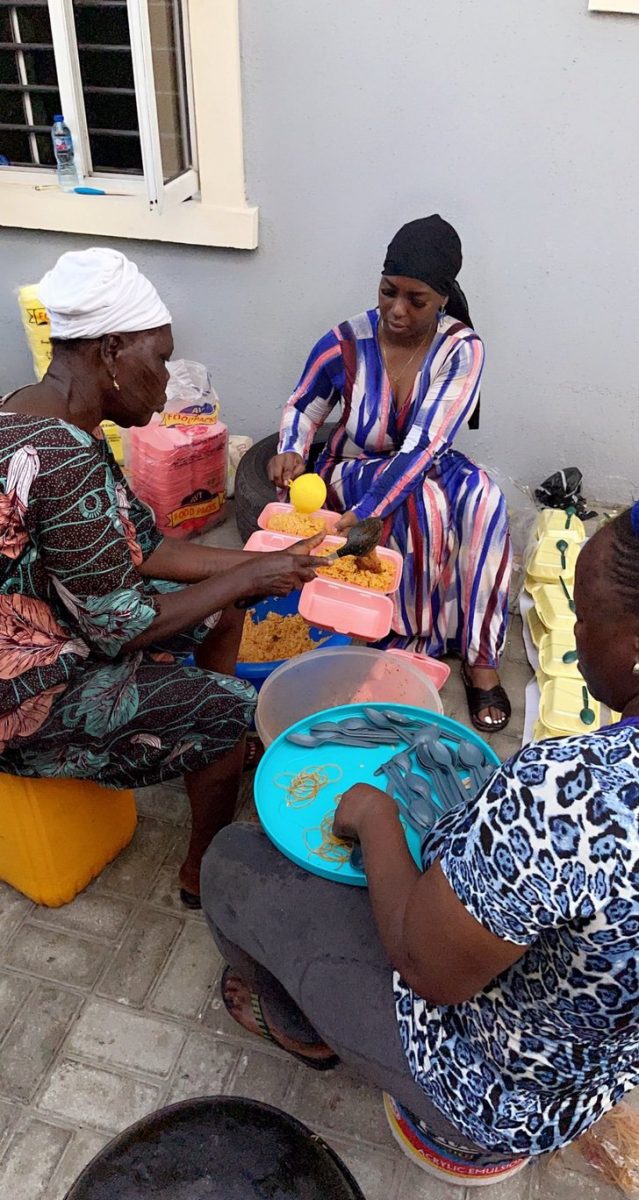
<point>64,157</point>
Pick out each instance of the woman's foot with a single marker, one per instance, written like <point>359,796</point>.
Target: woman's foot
<point>246,1008</point>
<point>488,703</point>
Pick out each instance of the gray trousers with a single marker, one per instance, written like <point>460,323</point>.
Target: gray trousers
<point>310,948</point>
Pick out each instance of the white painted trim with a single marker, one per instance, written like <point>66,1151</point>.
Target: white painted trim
<point>193,222</point>
<point>614,6</point>
<point>67,65</point>
<point>219,215</point>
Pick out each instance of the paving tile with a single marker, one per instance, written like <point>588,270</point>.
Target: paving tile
<point>138,961</point>
<point>83,1146</point>
<point>13,908</point>
<point>204,1068</point>
<point>51,954</point>
<point>85,1095</point>
<point>194,961</point>
<point>13,994</point>
<point>515,648</point>
<point>117,1037</point>
<point>505,744</point>
<point>102,917</point>
<point>339,1102</point>
<point>168,804</point>
<point>30,1159</point>
<point>133,871</point>
<point>375,1170</point>
<point>9,1114</point>
<point>31,1044</point>
<point>176,852</point>
<point>165,894</point>
<point>262,1076</point>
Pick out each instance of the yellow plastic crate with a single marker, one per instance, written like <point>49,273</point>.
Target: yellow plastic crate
<point>558,524</point>
<point>56,835</point>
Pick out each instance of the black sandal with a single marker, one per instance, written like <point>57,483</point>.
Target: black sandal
<point>257,1012</point>
<point>190,900</point>
<point>481,698</point>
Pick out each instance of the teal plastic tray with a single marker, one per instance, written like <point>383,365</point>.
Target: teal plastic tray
<point>295,827</point>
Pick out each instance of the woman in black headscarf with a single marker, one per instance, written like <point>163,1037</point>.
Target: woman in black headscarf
<point>406,377</point>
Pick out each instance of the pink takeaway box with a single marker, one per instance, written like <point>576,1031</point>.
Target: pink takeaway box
<point>278,510</point>
<point>341,607</point>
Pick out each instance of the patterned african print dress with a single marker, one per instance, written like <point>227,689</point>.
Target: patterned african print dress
<point>72,703</point>
<point>444,515</point>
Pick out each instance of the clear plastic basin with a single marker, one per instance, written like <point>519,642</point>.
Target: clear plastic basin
<point>346,675</point>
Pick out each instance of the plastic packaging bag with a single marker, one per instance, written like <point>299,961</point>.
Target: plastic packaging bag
<point>611,1147</point>
<point>603,1162</point>
<point>178,462</point>
<point>238,445</point>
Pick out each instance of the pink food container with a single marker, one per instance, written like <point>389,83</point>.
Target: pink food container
<point>342,607</point>
<point>433,667</point>
<point>276,510</point>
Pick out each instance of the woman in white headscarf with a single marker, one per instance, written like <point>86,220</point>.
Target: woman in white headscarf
<point>97,610</point>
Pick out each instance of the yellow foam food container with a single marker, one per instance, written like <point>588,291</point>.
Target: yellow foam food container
<point>536,627</point>
<point>556,523</point>
<point>564,704</point>
<point>58,834</point>
<point>552,557</point>
<point>557,654</point>
<point>540,732</point>
<point>553,602</point>
<point>113,434</point>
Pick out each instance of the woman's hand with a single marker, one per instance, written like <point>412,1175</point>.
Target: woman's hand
<point>359,805</point>
<point>284,468</point>
<point>282,571</point>
<point>346,522</point>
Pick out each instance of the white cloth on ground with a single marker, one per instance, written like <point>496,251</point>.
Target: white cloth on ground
<point>89,293</point>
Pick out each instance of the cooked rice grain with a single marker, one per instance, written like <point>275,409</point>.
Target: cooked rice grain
<point>273,638</point>
<point>297,524</point>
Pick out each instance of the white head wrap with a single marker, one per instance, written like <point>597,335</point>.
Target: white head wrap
<point>89,293</point>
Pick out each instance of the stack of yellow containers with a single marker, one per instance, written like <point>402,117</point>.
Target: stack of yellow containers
<point>38,331</point>
<point>565,707</point>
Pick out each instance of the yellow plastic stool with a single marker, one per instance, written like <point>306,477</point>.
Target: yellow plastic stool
<point>56,835</point>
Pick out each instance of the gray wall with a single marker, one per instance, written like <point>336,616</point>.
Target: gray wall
<point>518,122</point>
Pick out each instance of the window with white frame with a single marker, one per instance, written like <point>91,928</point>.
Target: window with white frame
<point>150,90</point>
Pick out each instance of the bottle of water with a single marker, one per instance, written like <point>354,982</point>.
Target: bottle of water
<point>63,150</point>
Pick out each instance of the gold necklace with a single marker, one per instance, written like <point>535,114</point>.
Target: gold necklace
<point>396,378</point>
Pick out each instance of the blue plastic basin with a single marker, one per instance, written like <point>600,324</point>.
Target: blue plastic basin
<point>257,673</point>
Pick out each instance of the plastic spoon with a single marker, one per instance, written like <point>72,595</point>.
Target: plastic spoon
<point>470,756</point>
<point>442,756</point>
<point>571,603</point>
<point>586,716</point>
<point>562,546</point>
<point>571,656</point>
<point>445,794</point>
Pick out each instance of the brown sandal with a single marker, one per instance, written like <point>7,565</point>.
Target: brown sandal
<point>263,1029</point>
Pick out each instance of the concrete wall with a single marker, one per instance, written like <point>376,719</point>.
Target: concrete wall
<point>518,122</point>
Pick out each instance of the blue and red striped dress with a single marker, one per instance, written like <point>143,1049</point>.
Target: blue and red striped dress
<point>445,515</point>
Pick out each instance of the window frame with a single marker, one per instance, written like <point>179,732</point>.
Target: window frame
<point>205,205</point>
<point>614,6</point>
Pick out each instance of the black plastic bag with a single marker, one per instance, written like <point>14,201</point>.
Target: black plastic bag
<point>562,489</point>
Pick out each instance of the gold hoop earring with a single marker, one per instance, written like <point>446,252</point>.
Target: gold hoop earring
<point>116,386</point>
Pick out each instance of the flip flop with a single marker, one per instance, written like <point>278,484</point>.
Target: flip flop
<point>265,1032</point>
<point>481,698</point>
<point>253,752</point>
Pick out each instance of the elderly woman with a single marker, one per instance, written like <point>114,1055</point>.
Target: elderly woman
<point>97,611</point>
<point>406,377</point>
<point>495,995</point>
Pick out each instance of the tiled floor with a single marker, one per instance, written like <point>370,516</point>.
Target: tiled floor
<point>109,1009</point>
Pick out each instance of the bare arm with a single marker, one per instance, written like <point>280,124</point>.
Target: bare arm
<point>439,949</point>
<point>189,562</point>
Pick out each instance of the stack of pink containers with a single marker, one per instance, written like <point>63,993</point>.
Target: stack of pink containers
<point>178,463</point>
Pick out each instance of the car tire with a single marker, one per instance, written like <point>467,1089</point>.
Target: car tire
<point>253,489</point>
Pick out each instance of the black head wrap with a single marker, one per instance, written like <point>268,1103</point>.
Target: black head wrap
<point>429,249</point>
